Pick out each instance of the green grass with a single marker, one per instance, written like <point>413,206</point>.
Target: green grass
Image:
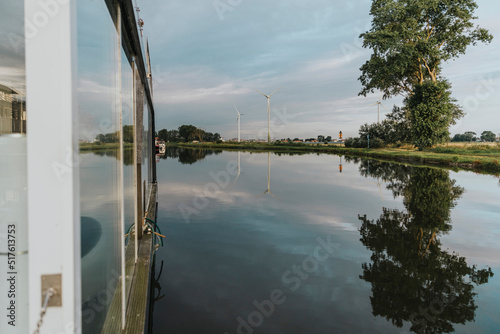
<point>107,146</point>
<point>474,149</point>
<point>480,158</point>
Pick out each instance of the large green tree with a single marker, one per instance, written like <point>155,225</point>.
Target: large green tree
<point>163,134</point>
<point>431,111</point>
<point>488,136</point>
<point>186,132</point>
<point>173,136</point>
<point>199,134</point>
<point>128,133</point>
<point>411,39</point>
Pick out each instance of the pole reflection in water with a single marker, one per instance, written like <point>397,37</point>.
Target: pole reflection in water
<point>413,279</point>
<point>155,294</point>
<point>268,190</point>
<point>239,167</point>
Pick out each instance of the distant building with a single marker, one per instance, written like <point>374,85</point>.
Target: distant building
<point>12,111</point>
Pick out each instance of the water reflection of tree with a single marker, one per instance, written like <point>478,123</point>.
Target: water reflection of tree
<point>188,156</point>
<point>412,278</point>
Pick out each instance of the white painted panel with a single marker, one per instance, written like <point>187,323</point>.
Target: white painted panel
<point>53,173</point>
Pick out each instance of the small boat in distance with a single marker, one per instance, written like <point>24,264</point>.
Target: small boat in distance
<point>160,146</point>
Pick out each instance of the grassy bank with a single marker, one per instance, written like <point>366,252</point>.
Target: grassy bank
<point>107,146</point>
<point>478,157</point>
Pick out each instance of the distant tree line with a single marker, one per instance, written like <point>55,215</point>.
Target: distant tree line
<point>470,136</point>
<point>396,129</point>
<point>320,138</point>
<point>186,133</point>
<point>113,137</point>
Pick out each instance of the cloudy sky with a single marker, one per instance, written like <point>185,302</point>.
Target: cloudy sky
<point>205,60</point>
<point>12,72</point>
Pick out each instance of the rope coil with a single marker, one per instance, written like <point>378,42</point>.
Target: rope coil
<point>48,295</point>
<point>146,222</point>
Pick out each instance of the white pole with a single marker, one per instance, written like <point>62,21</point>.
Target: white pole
<point>378,114</point>
<point>53,167</point>
<point>268,119</point>
<point>134,112</point>
<point>120,160</point>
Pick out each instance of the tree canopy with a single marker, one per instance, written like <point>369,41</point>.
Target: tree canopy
<point>488,136</point>
<point>114,137</point>
<point>432,110</point>
<point>468,136</point>
<point>186,133</point>
<point>410,40</point>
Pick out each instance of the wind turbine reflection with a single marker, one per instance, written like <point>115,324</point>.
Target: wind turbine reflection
<point>268,190</point>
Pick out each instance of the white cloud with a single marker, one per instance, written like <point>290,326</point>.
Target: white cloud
<point>312,50</point>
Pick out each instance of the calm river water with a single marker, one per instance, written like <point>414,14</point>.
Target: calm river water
<point>322,244</point>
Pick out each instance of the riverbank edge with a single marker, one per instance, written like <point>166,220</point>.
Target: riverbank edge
<point>99,147</point>
<point>480,164</point>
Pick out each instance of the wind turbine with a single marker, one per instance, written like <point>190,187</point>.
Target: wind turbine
<point>379,186</point>
<point>239,115</point>
<point>269,113</point>
<point>379,103</point>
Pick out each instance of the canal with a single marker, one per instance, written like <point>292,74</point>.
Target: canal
<point>269,243</point>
